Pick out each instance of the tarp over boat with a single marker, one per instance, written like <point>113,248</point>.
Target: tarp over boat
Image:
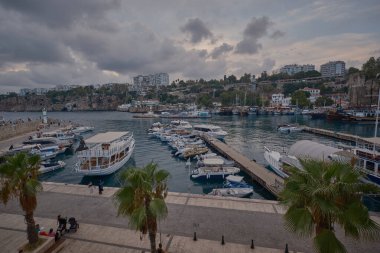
<point>306,149</point>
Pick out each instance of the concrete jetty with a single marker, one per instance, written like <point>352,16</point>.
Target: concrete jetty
<point>257,172</point>
<point>343,136</point>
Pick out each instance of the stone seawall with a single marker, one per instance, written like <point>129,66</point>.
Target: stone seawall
<point>11,130</point>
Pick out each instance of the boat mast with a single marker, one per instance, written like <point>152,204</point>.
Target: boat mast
<point>377,122</point>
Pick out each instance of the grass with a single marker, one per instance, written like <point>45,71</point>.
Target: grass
<point>30,247</point>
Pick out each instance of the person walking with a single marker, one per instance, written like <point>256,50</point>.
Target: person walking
<point>100,187</point>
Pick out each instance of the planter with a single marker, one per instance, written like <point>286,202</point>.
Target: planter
<point>48,242</point>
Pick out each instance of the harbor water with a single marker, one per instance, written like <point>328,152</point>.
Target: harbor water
<point>247,135</point>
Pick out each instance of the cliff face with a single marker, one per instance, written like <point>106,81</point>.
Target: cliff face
<point>94,102</point>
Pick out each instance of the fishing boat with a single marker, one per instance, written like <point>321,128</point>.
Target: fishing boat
<point>47,152</point>
<point>210,130</point>
<point>194,151</point>
<point>213,172</point>
<point>232,192</point>
<point>234,179</point>
<point>110,151</point>
<point>49,166</point>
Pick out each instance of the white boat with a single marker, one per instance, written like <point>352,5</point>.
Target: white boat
<point>82,129</point>
<point>46,167</point>
<point>234,179</point>
<point>274,160</point>
<point>124,107</point>
<point>58,135</point>
<point>214,161</point>
<point>214,172</point>
<point>47,152</point>
<point>211,130</point>
<point>110,152</point>
<point>288,128</point>
<point>232,192</point>
<point>181,124</point>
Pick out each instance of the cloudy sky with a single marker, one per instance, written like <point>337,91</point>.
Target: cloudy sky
<point>44,43</point>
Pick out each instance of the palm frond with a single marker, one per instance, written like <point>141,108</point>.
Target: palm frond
<point>158,208</point>
<point>327,242</point>
<point>299,221</point>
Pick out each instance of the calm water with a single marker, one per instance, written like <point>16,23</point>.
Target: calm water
<point>246,134</point>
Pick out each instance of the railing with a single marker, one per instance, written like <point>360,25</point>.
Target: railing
<point>105,153</point>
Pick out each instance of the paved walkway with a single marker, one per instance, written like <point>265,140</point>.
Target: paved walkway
<point>239,220</point>
<point>96,238</point>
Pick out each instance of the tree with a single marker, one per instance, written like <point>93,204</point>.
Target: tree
<point>371,68</point>
<point>18,179</point>
<point>142,199</point>
<point>232,79</point>
<point>204,100</point>
<point>352,70</point>
<point>246,78</point>
<point>324,101</point>
<point>300,97</point>
<point>325,194</point>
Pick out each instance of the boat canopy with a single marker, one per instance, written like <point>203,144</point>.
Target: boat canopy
<point>105,137</point>
<point>308,149</point>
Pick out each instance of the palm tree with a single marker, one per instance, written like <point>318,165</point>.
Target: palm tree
<point>325,194</point>
<point>18,179</point>
<point>142,199</point>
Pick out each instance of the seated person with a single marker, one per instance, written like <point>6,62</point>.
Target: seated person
<point>51,233</point>
<point>37,228</point>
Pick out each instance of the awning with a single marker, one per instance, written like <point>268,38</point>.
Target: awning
<point>106,137</point>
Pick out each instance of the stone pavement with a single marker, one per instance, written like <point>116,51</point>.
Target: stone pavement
<point>96,238</point>
<point>239,220</point>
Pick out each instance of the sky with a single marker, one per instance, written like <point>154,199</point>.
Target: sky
<point>44,43</point>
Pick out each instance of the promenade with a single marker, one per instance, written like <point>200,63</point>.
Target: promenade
<point>239,220</point>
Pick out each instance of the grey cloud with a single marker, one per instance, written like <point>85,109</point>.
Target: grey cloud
<point>256,29</point>
<point>197,30</point>
<point>29,43</point>
<point>277,34</point>
<point>222,49</point>
<point>58,13</point>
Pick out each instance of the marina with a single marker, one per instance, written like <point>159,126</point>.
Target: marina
<point>258,131</point>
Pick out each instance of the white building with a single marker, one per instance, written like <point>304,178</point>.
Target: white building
<point>333,69</point>
<point>295,68</point>
<point>314,93</point>
<point>151,80</point>
<point>280,100</point>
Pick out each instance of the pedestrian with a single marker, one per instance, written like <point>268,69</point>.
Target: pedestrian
<point>90,187</point>
<point>100,187</point>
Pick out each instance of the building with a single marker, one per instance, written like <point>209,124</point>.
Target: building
<point>280,100</point>
<point>314,93</point>
<point>158,79</point>
<point>333,69</point>
<point>295,68</point>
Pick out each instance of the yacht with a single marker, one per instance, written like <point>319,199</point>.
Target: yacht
<point>210,130</point>
<point>110,151</point>
<point>279,163</point>
<point>181,124</point>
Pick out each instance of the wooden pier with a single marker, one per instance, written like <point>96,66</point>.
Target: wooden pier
<point>265,178</point>
<point>343,136</point>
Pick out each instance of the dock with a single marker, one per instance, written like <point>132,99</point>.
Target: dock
<point>343,136</point>
<point>257,172</point>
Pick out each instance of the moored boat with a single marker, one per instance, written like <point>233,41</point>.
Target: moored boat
<point>214,172</point>
<point>210,130</point>
<point>49,166</point>
<point>232,192</point>
<point>110,152</point>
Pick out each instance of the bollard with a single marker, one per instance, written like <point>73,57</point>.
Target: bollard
<point>223,240</point>
<point>252,245</point>
<point>286,249</point>
<point>195,236</point>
